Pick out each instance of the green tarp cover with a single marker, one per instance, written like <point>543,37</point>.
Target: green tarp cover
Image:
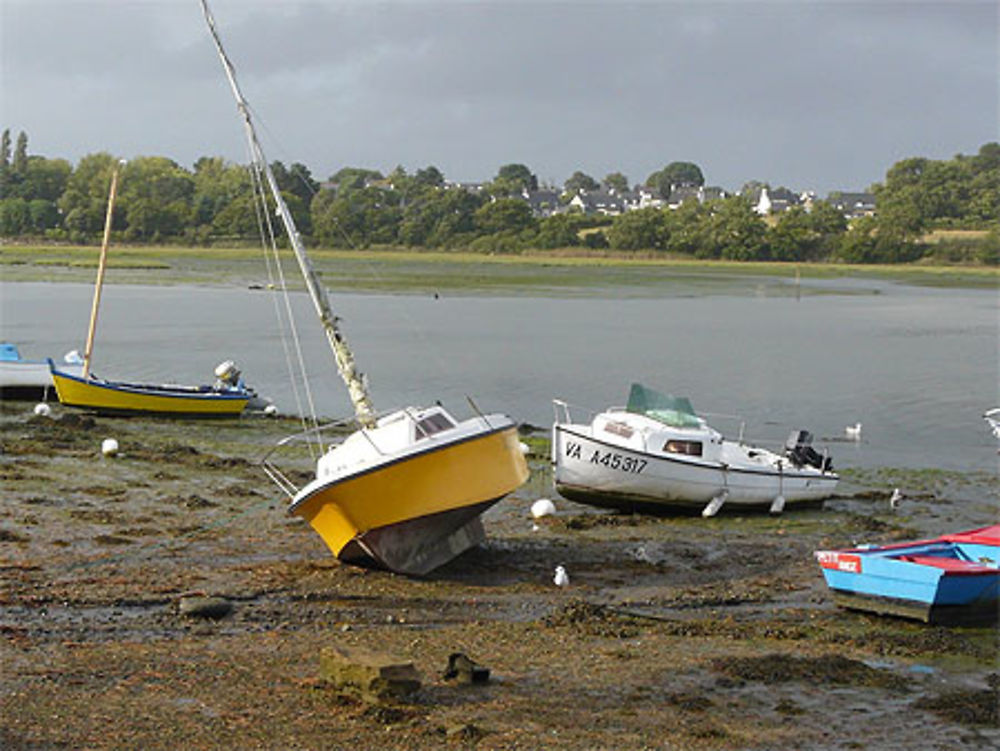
<point>675,411</point>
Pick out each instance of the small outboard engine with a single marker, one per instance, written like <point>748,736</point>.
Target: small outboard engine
<point>799,449</point>
<point>227,375</point>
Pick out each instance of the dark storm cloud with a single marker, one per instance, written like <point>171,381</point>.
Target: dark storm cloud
<point>810,95</point>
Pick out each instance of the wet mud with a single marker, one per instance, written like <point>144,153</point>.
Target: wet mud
<point>164,599</point>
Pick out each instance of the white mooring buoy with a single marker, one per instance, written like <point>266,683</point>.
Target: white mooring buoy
<point>542,507</point>
<point>109,447</point>
<point>43,410</point>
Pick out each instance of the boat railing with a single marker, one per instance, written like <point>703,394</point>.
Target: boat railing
<point>732,419</point>
<point>312,437</point>
<point>562,411</point>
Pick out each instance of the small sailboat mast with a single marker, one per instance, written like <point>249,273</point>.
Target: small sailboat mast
<point>342,354</point>
<point>102,264</point>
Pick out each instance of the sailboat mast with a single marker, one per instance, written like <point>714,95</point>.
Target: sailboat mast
<point>102,264</point>
<point>342,354</point>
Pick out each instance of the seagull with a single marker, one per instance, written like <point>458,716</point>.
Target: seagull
<point>853,431</point>
<point>896,499</point>
<point>561,578</point>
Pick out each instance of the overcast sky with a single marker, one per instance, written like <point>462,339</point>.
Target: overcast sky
<point>810,95</point>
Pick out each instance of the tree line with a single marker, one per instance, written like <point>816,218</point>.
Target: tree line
<point>162,202</point>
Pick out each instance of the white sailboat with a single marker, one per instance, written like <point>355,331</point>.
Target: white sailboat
<point>406,490</point>
<point>656,452</point>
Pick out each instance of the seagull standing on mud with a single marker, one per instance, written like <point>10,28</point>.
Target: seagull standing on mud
<point>853,431</point>
<point>896,499</point>
<point>561,578</point>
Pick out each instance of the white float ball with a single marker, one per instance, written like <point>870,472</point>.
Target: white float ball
<point>43,410</point>
<point>542,507</point>
<point>109,447</point>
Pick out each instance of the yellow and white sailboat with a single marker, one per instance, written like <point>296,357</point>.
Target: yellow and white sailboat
<point>407,489</point>
<point>226,397</point>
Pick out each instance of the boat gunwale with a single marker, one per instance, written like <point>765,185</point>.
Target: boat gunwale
<point>324,485</point>
<point>796,473</point>
<point>162,390</point>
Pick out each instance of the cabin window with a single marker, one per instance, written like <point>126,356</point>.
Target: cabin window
<point>689,448</point>
<point>618,428</point>
<point>432,424</point>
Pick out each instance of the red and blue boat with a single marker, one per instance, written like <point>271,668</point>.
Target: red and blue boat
<point>953,579</point>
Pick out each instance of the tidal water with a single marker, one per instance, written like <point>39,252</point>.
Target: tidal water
<point>916,366</point>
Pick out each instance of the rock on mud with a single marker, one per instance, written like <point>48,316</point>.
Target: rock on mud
<point>371,676</point>
<point>204,607</point>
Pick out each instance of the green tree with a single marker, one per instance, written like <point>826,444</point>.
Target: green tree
<point>580,181</point>
<point>84,202</point>
<point>155,194</point>
<point>44,179</point>
<point>15,217</point>
<point>793,238</point>
<point>735,231</point>
<point>645,229</point>
<point>44,215</point>
<point>616,181</point>
<point>19,164</point>
<point>5,149</point>
<point>687,229</point>
<point>297,180</point>
<point>356,217</point>
<point>511,180</point>
<point>675,173</point>
<point>504,215</point>
<point>439,218</point>
<point>354,178</point>
<point>430,177</point>
<point>560,231</point>
<point>217,184</point>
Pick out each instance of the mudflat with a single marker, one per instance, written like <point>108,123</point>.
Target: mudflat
<point>163,598</point>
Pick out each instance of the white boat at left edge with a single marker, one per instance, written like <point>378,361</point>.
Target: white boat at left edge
<point>31,379</point>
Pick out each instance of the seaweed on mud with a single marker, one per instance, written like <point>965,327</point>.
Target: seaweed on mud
<point>112,540</point>
<point>7,535</point>
<point>95,516</point>
<point>883,636</point>
<point>594,619</point>
<point>590,521</point>
<point>965,706</point>
<point>192,501</point>
<point>688,701</point>
<point>783,668</point>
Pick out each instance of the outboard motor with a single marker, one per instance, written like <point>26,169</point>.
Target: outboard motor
<point>227,375</point>
<point>798,448</point>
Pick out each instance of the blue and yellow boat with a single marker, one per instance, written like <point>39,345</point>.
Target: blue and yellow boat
<point>116,397</point>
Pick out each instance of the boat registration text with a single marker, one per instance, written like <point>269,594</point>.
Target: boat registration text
<point>610,459</point>
<point>839,561</point>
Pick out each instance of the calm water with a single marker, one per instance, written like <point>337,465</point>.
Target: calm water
<point>917,367</point>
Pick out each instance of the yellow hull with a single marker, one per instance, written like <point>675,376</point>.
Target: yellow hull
<point>104,396</point>
<point>428,496</point>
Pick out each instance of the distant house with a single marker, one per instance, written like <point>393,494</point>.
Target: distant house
<point>768,201</point>
<point>852,205</point>
<point>681,194</point>
<point>467,187</point>
<point>607,202</point>
<point>543,202</point>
